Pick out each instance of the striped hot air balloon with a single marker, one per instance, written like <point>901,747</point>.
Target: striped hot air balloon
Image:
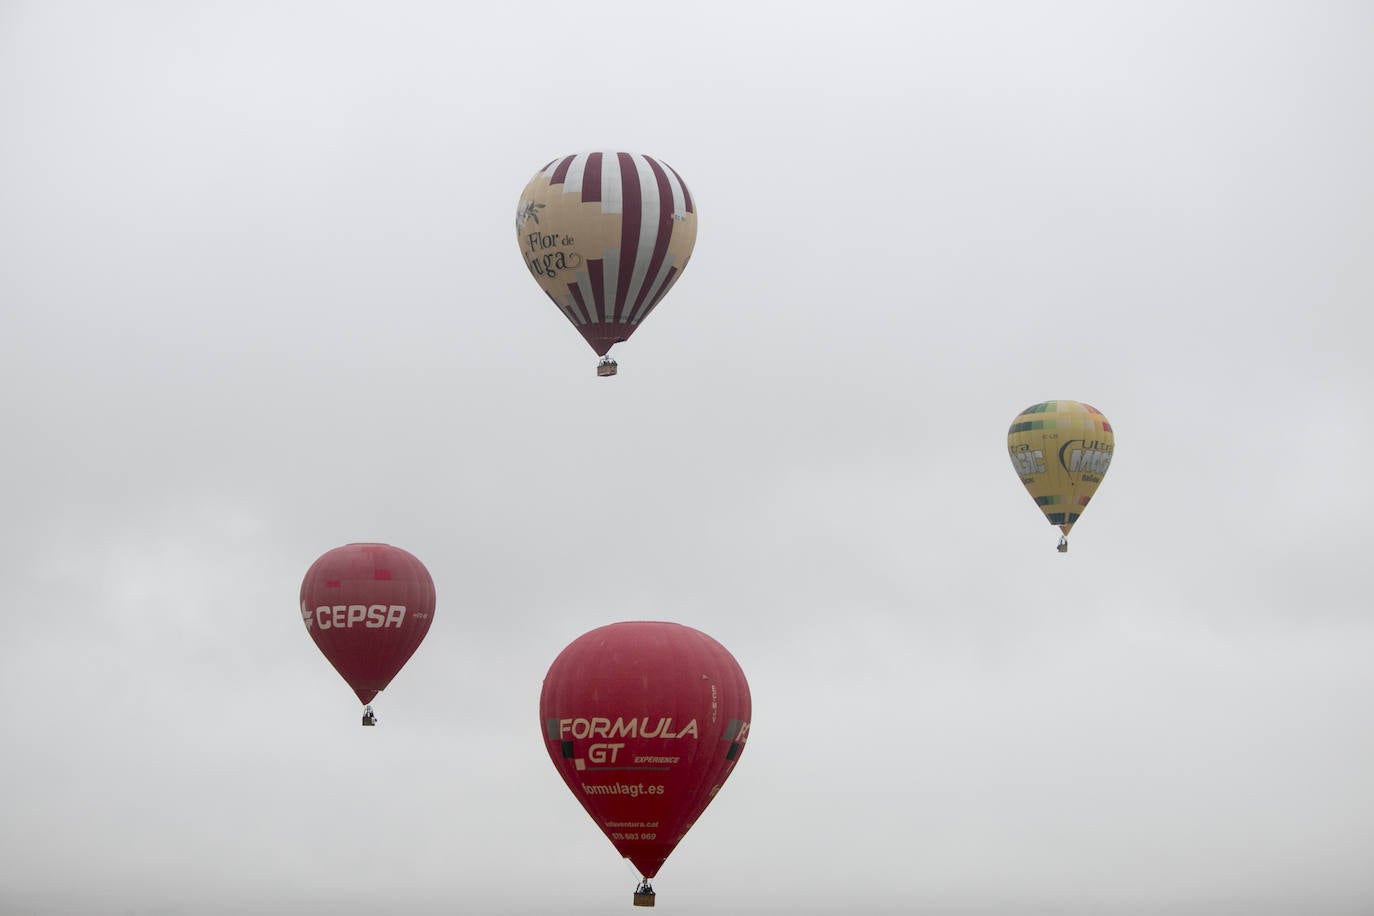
<point>606,235</point>
<point>1061,451</point>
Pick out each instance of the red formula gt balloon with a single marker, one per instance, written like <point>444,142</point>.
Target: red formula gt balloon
<point>367,606</point>
<point>645,722</point>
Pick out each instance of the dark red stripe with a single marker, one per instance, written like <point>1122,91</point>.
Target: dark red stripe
<point>632,217</point>
<point>598,284</point>
<point>686,194</point>
<point>591,179</point>
<point>567,313</point>
<point>673,274</point>
<point>664,231</point>
<point>576,291</point>
<point>560,173</point>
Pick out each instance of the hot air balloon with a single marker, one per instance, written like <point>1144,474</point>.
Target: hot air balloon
<point>645,722</point>
<point>1061,450</point>
<point>606,235</point>
<point>367,606</point>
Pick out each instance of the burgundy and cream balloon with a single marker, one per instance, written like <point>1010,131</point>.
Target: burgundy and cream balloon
<point>606,235</point>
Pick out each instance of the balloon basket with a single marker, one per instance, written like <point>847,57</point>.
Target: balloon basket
<point>644,894</point>
<point>607,367</point>
<point>369,717</point>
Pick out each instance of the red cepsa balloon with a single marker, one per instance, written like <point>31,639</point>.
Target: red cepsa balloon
<point>645,721</point>
<point>367,606</point>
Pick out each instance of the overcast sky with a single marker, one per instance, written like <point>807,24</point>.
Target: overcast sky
<point>260,296</point>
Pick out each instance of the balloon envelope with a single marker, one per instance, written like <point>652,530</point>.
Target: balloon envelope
<point>606,235</point>
<point>1061,450</point>
<point>367,606</point>
<point>645,721</point>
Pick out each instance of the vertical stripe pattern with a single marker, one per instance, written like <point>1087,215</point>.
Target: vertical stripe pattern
<point>606,235</point>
